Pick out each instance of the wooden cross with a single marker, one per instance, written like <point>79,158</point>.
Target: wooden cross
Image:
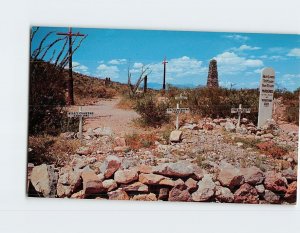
<point>164,82</point>
<point>70,96</point>
<point>80,114</point>
<point>240,110</point>
<point>178,110</point>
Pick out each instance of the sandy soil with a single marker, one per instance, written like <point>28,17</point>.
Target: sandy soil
<point>106,114</point>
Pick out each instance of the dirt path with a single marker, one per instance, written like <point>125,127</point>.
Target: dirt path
<point>106,114</point>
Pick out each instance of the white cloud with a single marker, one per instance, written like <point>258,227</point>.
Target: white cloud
<point>137,65</point>
<point>246,47</point>
<point>177,69</point>
<point>107,71</point>
<point>117,61</point>
<point>237,37</point>
<point>180,67</point>
<point>77,67</point>
<point>229,62</point>
<point>294,52</point>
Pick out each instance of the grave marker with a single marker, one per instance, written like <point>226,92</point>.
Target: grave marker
<point>267,86</point>
<point>240,110</point>
<point>80,114</point>
<point>178,110</point>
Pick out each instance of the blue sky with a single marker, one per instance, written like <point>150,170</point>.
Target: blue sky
<point>240,56</point>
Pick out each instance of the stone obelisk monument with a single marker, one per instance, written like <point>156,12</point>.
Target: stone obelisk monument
<point>267,87</point>
<point>212,78</point>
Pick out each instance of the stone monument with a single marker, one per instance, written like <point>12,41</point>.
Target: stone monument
<point>267,86</point>
<point>212,78</point>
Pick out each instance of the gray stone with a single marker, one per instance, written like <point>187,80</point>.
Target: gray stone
<point>68,182</point>
<point>126,176</point>
<point>44,180</point>
<point>103,131</point>
<point>206,189</point>
<point>224,194</point>
<point>179,169</point>
<point>175,136</point>
<point>229,126</point>
<point>271,197</point>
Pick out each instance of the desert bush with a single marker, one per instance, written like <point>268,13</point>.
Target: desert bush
<point>152,113</point>
<point>217,102</point>
<point>137,141</point>
<point>47,113</point>
<point>51,150</point>
<point>271,149</point>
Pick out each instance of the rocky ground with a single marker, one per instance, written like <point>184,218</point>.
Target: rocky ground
<point>211,160</point>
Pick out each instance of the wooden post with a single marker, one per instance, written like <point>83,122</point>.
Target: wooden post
<point>239,113</point>
<point>164,80</point>
<point>80,124</point>
<point>70,93</point>
<point>145,83</point>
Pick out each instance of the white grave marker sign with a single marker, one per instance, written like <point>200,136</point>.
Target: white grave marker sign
<point>267,86</point>
<point>80,114</point>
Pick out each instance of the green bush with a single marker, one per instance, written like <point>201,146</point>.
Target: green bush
<point>47,113</point>
<point>217,102</point>
<point>152,113</point>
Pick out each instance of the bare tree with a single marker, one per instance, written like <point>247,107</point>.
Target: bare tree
<point>133,88</point>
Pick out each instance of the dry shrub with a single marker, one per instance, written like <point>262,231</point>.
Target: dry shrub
<point>271,149</point>
<point>51,150</point>
<point>152,112</point>
<point>126,103</point>
<point>138,141</point>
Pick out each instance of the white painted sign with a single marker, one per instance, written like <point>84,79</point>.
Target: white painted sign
<point>178,110</point>
<point>78,114</point>
<point>267,86</point>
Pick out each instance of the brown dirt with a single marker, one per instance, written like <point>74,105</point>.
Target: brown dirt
<point>107,114</point>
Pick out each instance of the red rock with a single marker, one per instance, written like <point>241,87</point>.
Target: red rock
<point>110,166</point>
<point>126,176</point>
<point>110,184</point>
<point>136,187</point>
<point>208,127</point>
<point>179,193</point>
<point>191,185</point>
<point>275,182</point>
<point>168,182</point>
<point>119,194</point>
<point>253,175</point>
<point>142,168</point>
<point>291,193</point>
<point>246,194</point>
<point>150,178</point>
<point>230,177</point>
<point>91,183</point>
<point>163,194</point>
<point>119,141</point>
<point>145,197</point>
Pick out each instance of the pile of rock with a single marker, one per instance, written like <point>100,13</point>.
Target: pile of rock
<point>179,181</point>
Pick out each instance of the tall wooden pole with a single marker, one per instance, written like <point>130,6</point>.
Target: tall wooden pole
<point>70,97</point>
<point>70,92</point>
<point>145,83</point>
<point>164,81</point>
